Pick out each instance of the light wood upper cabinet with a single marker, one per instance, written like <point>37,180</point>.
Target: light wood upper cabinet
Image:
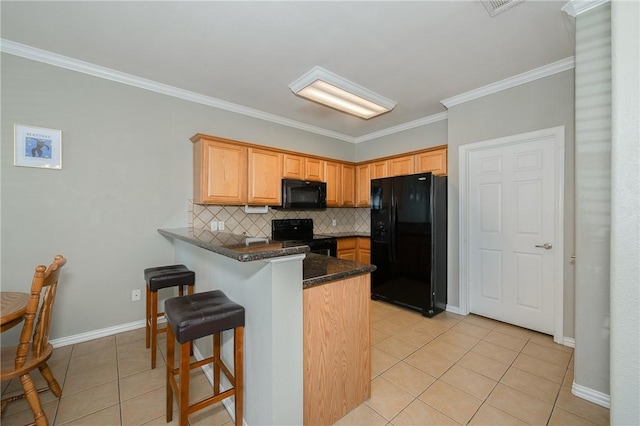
<point>314,169</point>
<point>379,169</point>
<point>303,168</point>
<point>363,185</point>
<point>332,176</point>
<point>219,172</point>
<point>293,166</point>
<point>265,177</point>
<point>432,161</point>
<point>348,198</point>
<point>400,166</point>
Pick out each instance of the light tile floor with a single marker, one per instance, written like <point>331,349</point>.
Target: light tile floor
<point>447,370</point>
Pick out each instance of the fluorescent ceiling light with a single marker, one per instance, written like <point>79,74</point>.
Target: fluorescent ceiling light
<point>329,89</point>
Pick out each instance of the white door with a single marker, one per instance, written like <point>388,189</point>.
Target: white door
<point>513,236</point>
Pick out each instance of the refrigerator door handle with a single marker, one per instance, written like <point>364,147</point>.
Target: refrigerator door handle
<point>392,227</point>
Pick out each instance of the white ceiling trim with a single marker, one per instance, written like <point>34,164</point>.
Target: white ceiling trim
<point>402,127</point>
<point>576,7</point>
<point>507,83</point>
<point>39,55</point>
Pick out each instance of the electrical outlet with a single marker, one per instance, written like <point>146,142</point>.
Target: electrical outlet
<point>221,225</point>
<point>333,222</point>
<point>135,295</point>
<point>214,225</point>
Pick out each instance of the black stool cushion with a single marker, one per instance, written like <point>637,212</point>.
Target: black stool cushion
<point>202,314</point>
<point>168,276</point>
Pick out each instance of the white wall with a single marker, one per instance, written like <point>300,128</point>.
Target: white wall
<point>625,215</point>
<point>543,103</point>
<point>593,202</point>
<point>427,136</point>
<point>127,171</point>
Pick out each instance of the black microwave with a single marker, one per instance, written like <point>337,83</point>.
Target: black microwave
<point>303,195</point>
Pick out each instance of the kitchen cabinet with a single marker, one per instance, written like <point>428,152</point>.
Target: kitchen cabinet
<point>314,169</point>
<point>219,171</point>
<point>432,161</point>
<point>303,168</point>
<point>400,166</point>
<point>332,177</point>
<point>265,175</point>
<point>379,169</point>
<point>293,166</point>
<point>347,249</point>
<point>337,349</point>
<point>363,250</point>
<point>357,249</point>
<point>363,185</point>
<point>348,175</point>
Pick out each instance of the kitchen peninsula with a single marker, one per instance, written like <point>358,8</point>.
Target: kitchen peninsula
<point>307,339</point>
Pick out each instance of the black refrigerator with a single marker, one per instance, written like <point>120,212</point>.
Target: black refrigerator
<point>409,241</point>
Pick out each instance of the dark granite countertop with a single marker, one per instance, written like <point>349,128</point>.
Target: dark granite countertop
<point>318,269</point>
<point>349,234</point>
<point>238,247</point>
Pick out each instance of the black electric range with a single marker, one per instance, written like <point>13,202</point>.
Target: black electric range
<point>299,232</point>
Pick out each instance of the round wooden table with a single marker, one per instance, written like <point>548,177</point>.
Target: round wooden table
<point>13,306</point>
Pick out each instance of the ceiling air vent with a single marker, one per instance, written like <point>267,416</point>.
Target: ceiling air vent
<point>495,7</point>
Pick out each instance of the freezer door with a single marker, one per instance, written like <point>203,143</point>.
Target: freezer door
<point>413,241</point>
<point>381,239</point>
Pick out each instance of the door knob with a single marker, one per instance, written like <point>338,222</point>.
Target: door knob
<point>546,246</point>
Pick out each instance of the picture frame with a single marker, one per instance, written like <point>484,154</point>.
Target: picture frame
<point>37,147</point>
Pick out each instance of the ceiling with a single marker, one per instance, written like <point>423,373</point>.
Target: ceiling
<point>242,55</point>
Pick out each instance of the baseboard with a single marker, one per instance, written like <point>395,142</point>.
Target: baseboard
<point>96,334</point>
<point>569,341</point>
<point>591,395</point>
<point>454,310</point>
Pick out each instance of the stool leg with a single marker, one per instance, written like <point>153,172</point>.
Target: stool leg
<point>238,351</point>
<point>170,362</point>
<point>190,289</point>
<point>185,369</point>
<point>154,327</point>
<point>216,363</point>
<point>147,317</point>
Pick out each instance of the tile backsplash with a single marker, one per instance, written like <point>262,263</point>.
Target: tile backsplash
<point>237,221</point>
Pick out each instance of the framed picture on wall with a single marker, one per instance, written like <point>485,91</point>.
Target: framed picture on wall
<point>37,147</point>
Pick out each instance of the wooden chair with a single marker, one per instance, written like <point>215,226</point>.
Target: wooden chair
<point>34,348</point>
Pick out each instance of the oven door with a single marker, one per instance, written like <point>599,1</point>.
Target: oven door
<point>325,247</point>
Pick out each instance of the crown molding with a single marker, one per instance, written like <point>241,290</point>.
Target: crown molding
<point>402,127</point>
<point>576,7</point>
<point>39,55</point>
<point>526,77</point>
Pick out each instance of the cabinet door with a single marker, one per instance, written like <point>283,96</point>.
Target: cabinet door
<point>265,171</point>
<point>363,185</point>
<point>432,161</point>
<point>314,169</point>
<point>364,250</point>
<point>220,173</point>
<point>379,169</point>
<point>332,176</point>
<point>401,166</point>
<point>348,198</point>
<point>293,166</point>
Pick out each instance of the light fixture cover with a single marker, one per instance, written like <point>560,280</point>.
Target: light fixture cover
<point>329,89</point>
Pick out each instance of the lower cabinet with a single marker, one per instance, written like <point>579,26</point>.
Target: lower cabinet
<point>357,249</point>
<point>337,349</point>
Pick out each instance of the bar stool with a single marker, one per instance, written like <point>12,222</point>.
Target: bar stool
<point>192,317</point>
<point>157,278</point>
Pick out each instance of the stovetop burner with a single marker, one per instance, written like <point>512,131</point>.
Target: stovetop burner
<point>295,232</point>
